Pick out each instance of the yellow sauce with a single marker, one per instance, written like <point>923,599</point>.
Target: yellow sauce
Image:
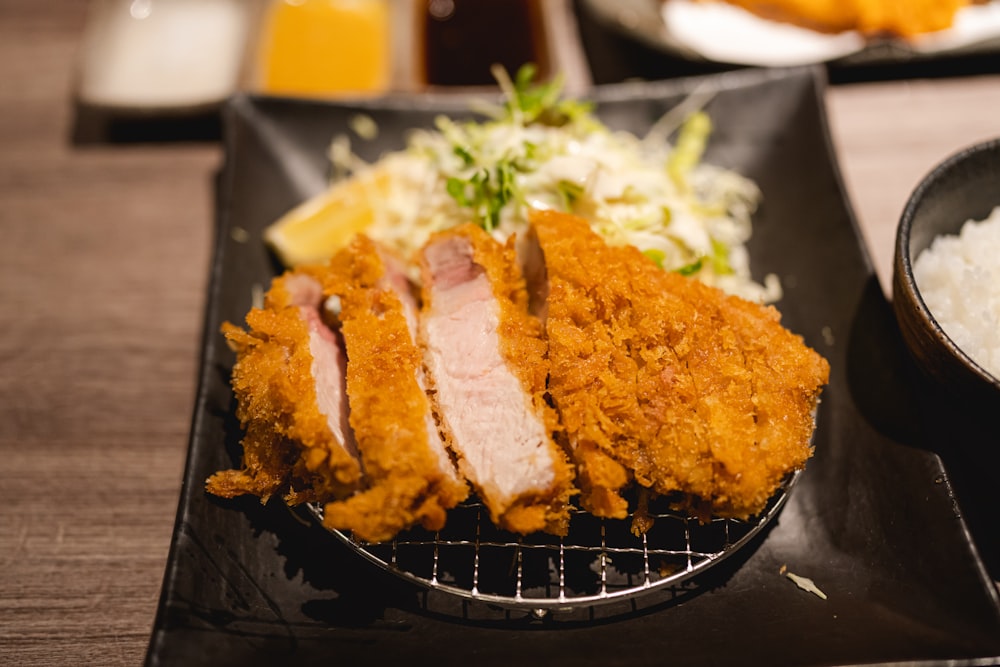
<point>325,47</point>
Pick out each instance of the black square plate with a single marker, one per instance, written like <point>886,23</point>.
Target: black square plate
<point>873,520</point>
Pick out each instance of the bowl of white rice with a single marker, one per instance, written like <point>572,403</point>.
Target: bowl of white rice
<point>946,276</point>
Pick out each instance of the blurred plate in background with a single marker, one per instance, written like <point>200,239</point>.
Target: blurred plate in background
<point>718,32</point>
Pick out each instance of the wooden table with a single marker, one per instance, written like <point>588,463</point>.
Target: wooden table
<point>103,267</point>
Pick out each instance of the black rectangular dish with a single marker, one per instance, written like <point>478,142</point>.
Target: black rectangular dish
<point>872,521</point>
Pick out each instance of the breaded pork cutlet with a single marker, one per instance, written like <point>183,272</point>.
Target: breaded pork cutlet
<point>663,379</point>
<point>487,366</point>
<point>409,477</point>
<point>289,386</point>
<point>785,374</point>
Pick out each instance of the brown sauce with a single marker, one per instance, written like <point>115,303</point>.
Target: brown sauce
<point>464,38</point>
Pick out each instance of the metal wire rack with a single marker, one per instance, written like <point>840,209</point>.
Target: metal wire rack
<point>598,561</point>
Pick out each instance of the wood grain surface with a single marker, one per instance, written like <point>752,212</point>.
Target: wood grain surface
<point>104,253</point>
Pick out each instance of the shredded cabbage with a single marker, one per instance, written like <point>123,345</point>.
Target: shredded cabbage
<point>541,152</point>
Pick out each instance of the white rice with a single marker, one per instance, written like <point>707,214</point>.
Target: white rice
<point>959,280</point>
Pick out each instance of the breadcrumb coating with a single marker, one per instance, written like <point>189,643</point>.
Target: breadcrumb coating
<point>405,481</point>
<point>540,507</point>
<point>289,448</point>
<point>692,392</point>
<point>902,18</point>
<point>622,374</point>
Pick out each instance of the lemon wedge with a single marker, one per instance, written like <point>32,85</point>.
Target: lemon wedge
<point>316,229</point>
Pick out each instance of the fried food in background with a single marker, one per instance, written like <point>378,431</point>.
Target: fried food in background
<point>668,382</point>
<point>900,18</point>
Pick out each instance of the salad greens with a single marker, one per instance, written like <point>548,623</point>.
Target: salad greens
<point>539,150</point>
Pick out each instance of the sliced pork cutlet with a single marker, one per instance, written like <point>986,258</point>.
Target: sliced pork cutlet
<point>487,367</point>
<point>652,369</point>
<point>787,379</point>
<point>409,475</point>
<point>607,365</point>
<point>289,385</point>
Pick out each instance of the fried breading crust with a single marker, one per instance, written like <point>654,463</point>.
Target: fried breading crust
<point>524,348</point>
<point>904,18</point>
<point>288,448</point>
<point>524,351</point>
<point>785,378</point>
<point>405,482</point>
<point>690,391</point>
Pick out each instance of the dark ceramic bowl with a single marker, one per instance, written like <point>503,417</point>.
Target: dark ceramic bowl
<point>963,187</point>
